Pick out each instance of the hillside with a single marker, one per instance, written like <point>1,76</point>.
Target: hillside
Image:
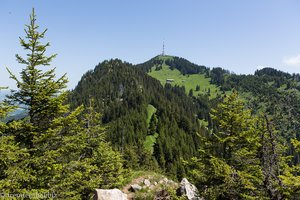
<point>158,124</point>
<point>198,83</point>
<point>125,94</point>
<point>127,97</point>
<point>142,128</point>
<point>268,90</point>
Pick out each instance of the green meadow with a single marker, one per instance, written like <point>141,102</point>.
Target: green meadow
<point>188,81</point>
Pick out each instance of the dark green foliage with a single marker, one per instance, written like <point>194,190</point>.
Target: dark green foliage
<point>242,153</point>
<point>184,66</point>
<point>123,93</point>
<point>272,72</point>
<point>146,66</point>
<point>191,93</point>
<point>217,76</point>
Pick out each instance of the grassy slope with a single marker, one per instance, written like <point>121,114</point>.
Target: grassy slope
<point>150,142</point>
<point>138,177</point>
<point>150,139</point>
<point>150,111</point>
<point>189,81</point>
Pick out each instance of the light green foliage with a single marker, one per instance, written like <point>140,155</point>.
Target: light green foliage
<point>53,150</point>
<point>188,81</point>
<point>12,172</point>
<point>244,158</point>
<point>152,126</point>
<point>228,166</point>
<point>165,57</point>
<point>291,181</point>
<point>72,160</point>
<point>296,144</point>
<point>290,176</point>
<point>150,111</point>
<point>240,143</point>
<point>150,142</point>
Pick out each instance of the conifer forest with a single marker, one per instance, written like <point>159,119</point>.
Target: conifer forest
<point>234,136</point>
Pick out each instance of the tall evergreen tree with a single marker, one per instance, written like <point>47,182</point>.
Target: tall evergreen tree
<point>228,167</point>
<point>38,90</point>
<point>65,153</point>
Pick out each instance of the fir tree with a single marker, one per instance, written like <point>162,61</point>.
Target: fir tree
<point>65,153</point>
<point>38,90</point>
<point>228,166</point>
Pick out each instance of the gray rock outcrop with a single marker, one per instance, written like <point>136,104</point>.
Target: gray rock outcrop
<point>189,190</point>
<point>114,194</point>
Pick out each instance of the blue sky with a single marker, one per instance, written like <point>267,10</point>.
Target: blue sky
<point>241,36</point>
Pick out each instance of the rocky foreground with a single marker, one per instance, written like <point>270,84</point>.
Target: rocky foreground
<point>151,187</point>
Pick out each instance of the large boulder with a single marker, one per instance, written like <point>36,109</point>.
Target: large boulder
<point>189,190</point>
<point>114,194</point>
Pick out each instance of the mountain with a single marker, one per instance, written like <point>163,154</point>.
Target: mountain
<point>268,91</point>
<point>3,94</point>
<point>153,125</point>
<point>18,113</point>
<point>158,111</point>
<point>181,72</point>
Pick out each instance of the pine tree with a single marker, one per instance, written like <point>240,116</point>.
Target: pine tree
<point>65,153</point>
<point>228,166</point>
<point>39,91</point>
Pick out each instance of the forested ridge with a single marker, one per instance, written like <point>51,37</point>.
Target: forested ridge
<point>270,99</point>
<point>240,143</point>
<point>122,93</point>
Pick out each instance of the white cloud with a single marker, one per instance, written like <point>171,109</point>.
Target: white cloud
<point>292,61</point>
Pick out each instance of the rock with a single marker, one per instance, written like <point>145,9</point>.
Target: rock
<point>162,195</point>
<point>155,183</point>
<point>163,181</point>
<point>147,182</point>
<point>170,182</point>
<point>188,189</point>
<point>114,194</point>
<point>135,188</point>
<point>151,187</point>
